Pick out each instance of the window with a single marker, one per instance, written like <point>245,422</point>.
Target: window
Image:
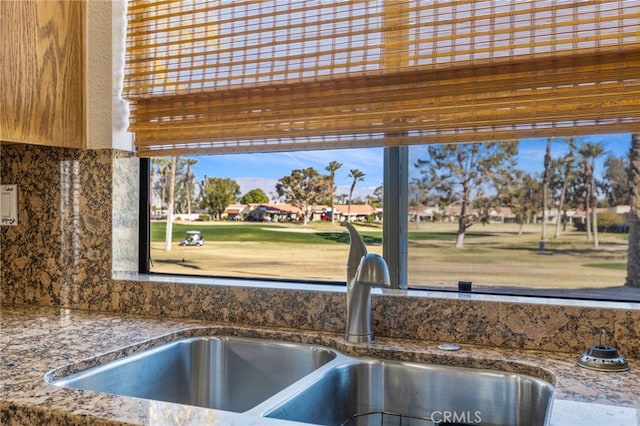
<point>508,241</point>
<point>259,232</point>
<point>246,227</point>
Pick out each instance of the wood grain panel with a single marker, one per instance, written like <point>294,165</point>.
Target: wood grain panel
<point>42,72</point>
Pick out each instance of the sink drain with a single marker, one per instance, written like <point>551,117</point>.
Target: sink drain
<point>380,418</point>
<point>602,357</point>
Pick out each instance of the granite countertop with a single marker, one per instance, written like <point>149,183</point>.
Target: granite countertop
<point>36,340</point>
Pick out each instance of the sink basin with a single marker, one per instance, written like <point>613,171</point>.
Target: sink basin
<point>314,384</point>
<point>226,373</point>
<point>377,392</point>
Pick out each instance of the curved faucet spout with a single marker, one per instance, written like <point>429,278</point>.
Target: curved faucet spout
<point>363,271</point>
<point>357,249</point>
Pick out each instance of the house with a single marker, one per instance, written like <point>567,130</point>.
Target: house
<point>422,214</point>
<point>236,212</point>
<point>356,212</point>
<point>277,212</point>
<point>621,210</point>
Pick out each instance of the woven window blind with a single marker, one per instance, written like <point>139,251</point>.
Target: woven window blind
<point>219,76</point>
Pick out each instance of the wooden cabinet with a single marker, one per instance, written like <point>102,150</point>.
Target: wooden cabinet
<point>42,72</point>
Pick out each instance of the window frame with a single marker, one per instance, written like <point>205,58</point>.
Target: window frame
<point>395,237</point>
<point>144,217</point>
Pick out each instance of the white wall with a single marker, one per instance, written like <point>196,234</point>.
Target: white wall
<point>107,112</point>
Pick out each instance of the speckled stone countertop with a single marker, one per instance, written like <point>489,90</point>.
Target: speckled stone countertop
<point>35,341</point>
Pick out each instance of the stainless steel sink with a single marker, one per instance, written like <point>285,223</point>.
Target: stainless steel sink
<point>226,373</point>
<point>376,392</point>
<point>314,384</point>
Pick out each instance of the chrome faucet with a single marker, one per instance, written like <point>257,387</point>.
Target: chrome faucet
<point>364,270</point>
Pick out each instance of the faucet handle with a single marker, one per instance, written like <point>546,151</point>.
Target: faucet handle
<point>373,271</point>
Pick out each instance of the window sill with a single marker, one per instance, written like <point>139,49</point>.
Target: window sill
<point>551,297</point>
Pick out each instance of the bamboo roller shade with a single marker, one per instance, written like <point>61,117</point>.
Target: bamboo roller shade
<point>246,76</point>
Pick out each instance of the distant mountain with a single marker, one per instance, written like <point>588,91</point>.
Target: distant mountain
<point>358,192</point>
<point>249,183</point>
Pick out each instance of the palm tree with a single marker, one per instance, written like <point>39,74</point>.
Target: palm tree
<point>332,168</point>
<point>586,183</point>
<point>342,198</point>
<point>188,181</point>
<point>357,176</point>
<point>159,165</point>
<point>589,152</point>
<point>172,185</point>
<point>633,259</point>
<point>567,162</point>
<point>545,193</point>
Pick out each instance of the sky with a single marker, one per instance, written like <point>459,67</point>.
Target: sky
<point>262,170</point>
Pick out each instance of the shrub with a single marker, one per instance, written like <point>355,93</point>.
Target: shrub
<point>607,222</point>
<point>204,217</point>
<point>610,222</point>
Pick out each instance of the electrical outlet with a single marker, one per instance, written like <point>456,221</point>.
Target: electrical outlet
<point>9,205</point>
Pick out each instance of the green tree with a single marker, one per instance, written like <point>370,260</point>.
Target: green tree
<point>418,198</point>
<point>617,183</point>
<point>356,176</point>
<point>463,173</point>
<point>302,188</point>
<point>332,168</point>
<point>255,196</point>
<point>377,198</point>
<point>219,193</point>
<point>633,259</point>
<point>521,196</point>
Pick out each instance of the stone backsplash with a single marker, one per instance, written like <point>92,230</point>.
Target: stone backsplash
<point>78,226</point>
<point>507,322</point>
<point>70,202</point>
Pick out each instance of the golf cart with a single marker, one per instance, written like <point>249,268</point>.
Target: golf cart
<point>194,238</point>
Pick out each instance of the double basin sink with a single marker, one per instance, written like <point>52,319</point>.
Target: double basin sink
<point>318,385</point>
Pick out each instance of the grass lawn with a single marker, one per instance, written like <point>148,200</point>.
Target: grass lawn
<point>493,254</point>
<point>615,266</point>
